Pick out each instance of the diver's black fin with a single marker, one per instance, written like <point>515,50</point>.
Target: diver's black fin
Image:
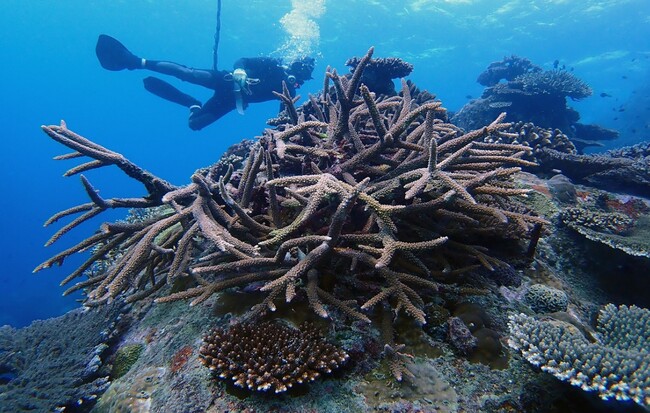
<point>166,91</point>
<point>113,55</point>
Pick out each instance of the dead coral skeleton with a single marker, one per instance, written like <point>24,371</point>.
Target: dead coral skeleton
<point>377,193</point>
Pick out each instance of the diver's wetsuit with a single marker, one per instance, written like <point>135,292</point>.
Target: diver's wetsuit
<point>267,70</point>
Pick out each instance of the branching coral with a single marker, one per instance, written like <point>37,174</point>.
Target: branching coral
<point>269,356</point>
<point>378,194</point>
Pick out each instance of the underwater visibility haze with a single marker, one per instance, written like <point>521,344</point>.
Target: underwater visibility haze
<point>437,238</point>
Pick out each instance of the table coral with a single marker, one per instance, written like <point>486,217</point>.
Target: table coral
<point>617,366</point>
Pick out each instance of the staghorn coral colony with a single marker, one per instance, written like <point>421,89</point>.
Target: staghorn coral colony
<point>380,194</point>
<point>365,207</point>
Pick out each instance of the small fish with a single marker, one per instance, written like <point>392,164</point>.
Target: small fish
<point>556,63</point>
<point>623,77</point>
<point>468,97</point>
<point>621,109</point>
<point>605,95</point>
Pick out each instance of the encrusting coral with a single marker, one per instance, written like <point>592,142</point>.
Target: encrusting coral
<point>376,193</point>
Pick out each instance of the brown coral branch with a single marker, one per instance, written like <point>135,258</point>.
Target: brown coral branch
<point>154,185</point>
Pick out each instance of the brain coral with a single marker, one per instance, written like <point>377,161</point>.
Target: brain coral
<point>544,299</point>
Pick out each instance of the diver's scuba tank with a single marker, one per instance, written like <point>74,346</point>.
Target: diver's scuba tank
<point>240,85</point>
<point>239,78</point>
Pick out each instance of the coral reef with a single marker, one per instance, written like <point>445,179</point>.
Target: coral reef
<point>57,363</point>
<point>269,356</point>
<point>502,275</point>
<point>553,82</point>
<point>363,202</point>
<point>367,208</point>
<point>582,218</point>
<point>616,366</point>
<point>531,94</point>
<point>638,151</point>
<point>132,396</point>
<point>428,391</point>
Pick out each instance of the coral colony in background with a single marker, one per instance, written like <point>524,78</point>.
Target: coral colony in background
<point>368,208</point>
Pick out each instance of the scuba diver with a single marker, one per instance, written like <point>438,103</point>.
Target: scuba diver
<point>252,80</point>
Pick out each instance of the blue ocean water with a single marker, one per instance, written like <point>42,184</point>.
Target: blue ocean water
<point>49,72</point>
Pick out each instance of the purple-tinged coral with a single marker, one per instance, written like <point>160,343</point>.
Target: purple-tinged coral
<point>460,336</point>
